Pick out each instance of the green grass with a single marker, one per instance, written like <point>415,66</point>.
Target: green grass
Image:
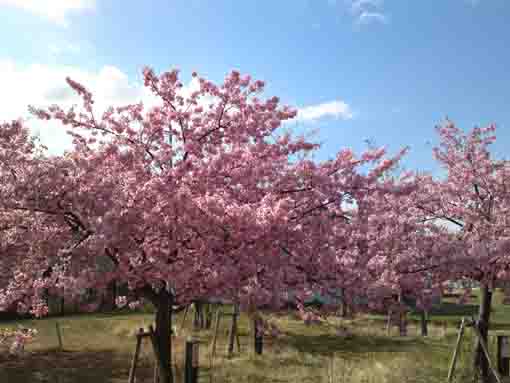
<point>98,348</point>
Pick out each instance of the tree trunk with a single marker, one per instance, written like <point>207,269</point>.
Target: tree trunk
<point>209,316</point>
<point>109,297</point>
<point>163,334</point>
<point>198,319</point>
<point>202,316</point>
<point>114,294</point>
<point>480,361</point>
<point>342,303</point>
<point>424,323</point>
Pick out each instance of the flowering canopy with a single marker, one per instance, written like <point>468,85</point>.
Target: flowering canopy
<point>201,194</point>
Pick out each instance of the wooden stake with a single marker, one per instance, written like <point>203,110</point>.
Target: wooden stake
<point>184,316</point>
<point>59,336</point>
<point>486,352</point>
<point>191,364</point>
<point>388,324</point>
<point>238,342</point>
<point>233,331</point>
<point>456,351</point>
<point>134,362</point>
<point>156,353</point>
<point>216,328</point>
<point>156,372</point>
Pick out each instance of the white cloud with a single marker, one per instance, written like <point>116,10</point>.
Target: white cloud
<point>368,11</point>
<point>43,85</point>
<point>53,10</point>
<point>334,109</point>
<point>370,17</point>
<point>361,5</point>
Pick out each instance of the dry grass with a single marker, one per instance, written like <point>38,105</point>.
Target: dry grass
<point>99,348</point>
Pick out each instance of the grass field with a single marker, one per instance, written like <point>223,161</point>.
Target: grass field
<point>98,348</point>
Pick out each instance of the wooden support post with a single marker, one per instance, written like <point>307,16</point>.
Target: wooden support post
<point>388,322</point>
<point>196,314</point>
<point>209,316</point>
<point>215,337</point>
<point>233,331</point>
<point>156,353</point>
<point>423,322</point>
<point>403,323</point>
<point>456,351</point>
<point>156,372</point>
<point>191,364</point>
<point>134,362</point>
<point>504,355</point>
<point>59,336</point>
<point>238,342</point>
<point>258,337</point>
<point>486,352</point>
<point>184,316</point>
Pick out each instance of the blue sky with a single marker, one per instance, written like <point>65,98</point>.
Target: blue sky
<point>385,70</point>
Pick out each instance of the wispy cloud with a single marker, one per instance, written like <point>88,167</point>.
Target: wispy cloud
<point>371,17</point>
<point>359,6</point>
<point>368,11</point>
<point>336,109</point>
<point>53,10</point>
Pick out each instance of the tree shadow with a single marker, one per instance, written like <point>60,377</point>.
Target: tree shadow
<point>326,344</point>
<point>71,367</point>
<point>454,309</point>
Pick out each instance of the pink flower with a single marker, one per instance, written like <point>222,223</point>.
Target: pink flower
<point>121,301</point>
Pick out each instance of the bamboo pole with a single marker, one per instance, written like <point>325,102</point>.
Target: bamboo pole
<point>456,351</point>
<point>134,362</point>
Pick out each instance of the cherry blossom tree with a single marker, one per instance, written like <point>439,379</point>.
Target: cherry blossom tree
<point>474,200</point>
<point>198,196</point>
<point>201,195</point>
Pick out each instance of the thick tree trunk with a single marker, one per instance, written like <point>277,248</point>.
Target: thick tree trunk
<point>163,335</point>
<point>109,297</point>
<point>480,361</point>
<point>424,323</point>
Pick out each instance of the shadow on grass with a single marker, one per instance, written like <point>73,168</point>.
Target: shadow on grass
<point>454,309</point>
<point>325,344</point>
<point>70,367</point>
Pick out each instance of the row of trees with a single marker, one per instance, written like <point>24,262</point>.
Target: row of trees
<point>207,195</point>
